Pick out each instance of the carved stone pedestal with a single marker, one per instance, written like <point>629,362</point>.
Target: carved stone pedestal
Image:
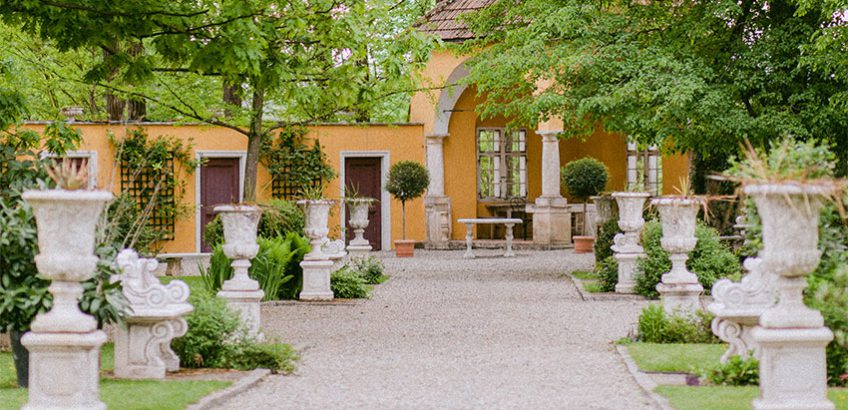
<point>792,363</point>
<point>626,267</point>
<point>551,221</point>
<point>437,211</point>
<point>316,280</point>
<point>64,370</point>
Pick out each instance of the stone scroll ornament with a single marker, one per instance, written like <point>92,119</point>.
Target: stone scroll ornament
<point>626,245</point>
<point>143,344</point>
<point>64,343</point>
<point>737,307</point>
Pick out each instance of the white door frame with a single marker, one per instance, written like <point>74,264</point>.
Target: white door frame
<point>199,155</point>
<point>91,156</point>
<point>385,198</point>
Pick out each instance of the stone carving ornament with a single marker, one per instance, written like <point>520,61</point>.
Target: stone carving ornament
<point>626,245</point>
<point>143,345</point>
<point>241,292</point>
<point>359,208</point>
<point>316,264</point>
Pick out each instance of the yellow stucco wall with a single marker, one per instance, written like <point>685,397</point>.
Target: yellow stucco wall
<point>403,142</point>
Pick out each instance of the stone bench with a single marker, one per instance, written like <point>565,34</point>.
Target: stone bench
<point>737,307</point>
<point>469,232</point>
<point>182,264</point>
<point>143,342</point>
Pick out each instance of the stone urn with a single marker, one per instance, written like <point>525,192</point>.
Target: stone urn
<point>316,264</point>
<point>359,209</point>
<point>241,292</point>
<point>64,344</point>
<point>604,210</point>
<point>626,245</point>
<point>791,336</point>
<point>679,289</point>
<point>317,213</point>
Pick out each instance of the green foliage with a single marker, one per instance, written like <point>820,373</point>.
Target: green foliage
<point>655,326</point>
<point>301,166</point>
<point>407,180</point>
<point>584,177</point>
<point>127,227</point>
<point>698,76</point>
<point>370,269</point>
<point>216,338</point>
<point>157,188</point>
<point>348,284</point>
<point>736,372</point>
<point>276,267</point>
<point>210,326</point>
<point>22,294</point>
<point>279,218</point>
<point>604,241</point>
<point>607,272</point>
<point>710,260</point>
<point>786,159</point>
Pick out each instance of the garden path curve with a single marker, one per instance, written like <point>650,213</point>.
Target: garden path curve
<point>446,332</point>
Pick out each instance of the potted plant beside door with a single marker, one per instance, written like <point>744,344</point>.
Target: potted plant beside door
<point>407,181</point>
<point>584,178</point>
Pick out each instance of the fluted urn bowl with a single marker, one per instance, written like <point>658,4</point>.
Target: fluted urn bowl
<point>630,206</point>
<point>789,213</point>
<point>66,222</point>
<point>678,216</point>
<point>240,225</point>
<point>359,208</point>
<point>317,218</point>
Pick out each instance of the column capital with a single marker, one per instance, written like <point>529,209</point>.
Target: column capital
<point>436,138</point>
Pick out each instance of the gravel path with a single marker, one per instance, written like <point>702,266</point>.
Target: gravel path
<point>445,332</point>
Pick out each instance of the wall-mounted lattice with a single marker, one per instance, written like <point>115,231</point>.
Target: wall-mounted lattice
<point>145,182</point>
<point>285,186</point>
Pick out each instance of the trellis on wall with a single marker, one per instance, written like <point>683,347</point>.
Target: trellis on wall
<point>295,167</point>
<point>152,189</point>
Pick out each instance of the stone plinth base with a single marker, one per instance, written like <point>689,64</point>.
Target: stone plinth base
<point>793,372</point>
<point>64,370</point>
<point>358,251</point>
<point>316,280</point>
<point>626,267</point>
<point>551,223</point>
<point>437,211</point>
<point>680,298</point>
<point>246,303</point>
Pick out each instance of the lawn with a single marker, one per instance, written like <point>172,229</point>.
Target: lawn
<point>117,394</point>
<point>195,283</point>
<point>690,358</point>
<point>728,397</point>
<point>589,279</point>
<point>674,357</point>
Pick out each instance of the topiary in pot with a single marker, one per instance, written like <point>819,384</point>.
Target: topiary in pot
<point>407,180</point>
<point>584,178</point>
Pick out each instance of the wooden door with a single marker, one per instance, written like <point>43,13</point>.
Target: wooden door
<point>364,175</point>
<point>219,184</point>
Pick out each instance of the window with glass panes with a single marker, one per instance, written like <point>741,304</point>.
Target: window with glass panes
<point>501,163</point>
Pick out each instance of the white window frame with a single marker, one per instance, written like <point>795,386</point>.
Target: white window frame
<point>648,174</point>
<point>90,156</point>
<point>500,171</point>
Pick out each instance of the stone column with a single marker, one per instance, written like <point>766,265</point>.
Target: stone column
<point>437,205</point>
<point>551,219</point>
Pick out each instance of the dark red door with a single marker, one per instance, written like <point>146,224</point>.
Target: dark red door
<point>219,184</point>
<point>364,175</point>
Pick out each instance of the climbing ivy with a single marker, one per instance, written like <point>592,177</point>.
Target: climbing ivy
<point>149,169</point>
<point>295,167</point>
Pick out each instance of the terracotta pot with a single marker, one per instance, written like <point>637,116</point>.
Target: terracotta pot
<point>404,248</point>
<point>583,244</point>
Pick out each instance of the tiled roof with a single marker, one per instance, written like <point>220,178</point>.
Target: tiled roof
<point>444,21</point>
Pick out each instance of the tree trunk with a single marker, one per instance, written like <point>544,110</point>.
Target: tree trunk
<point>114,104</point>
<point>403,219</point>
<point>136,107</point>
<point>254,143</point>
